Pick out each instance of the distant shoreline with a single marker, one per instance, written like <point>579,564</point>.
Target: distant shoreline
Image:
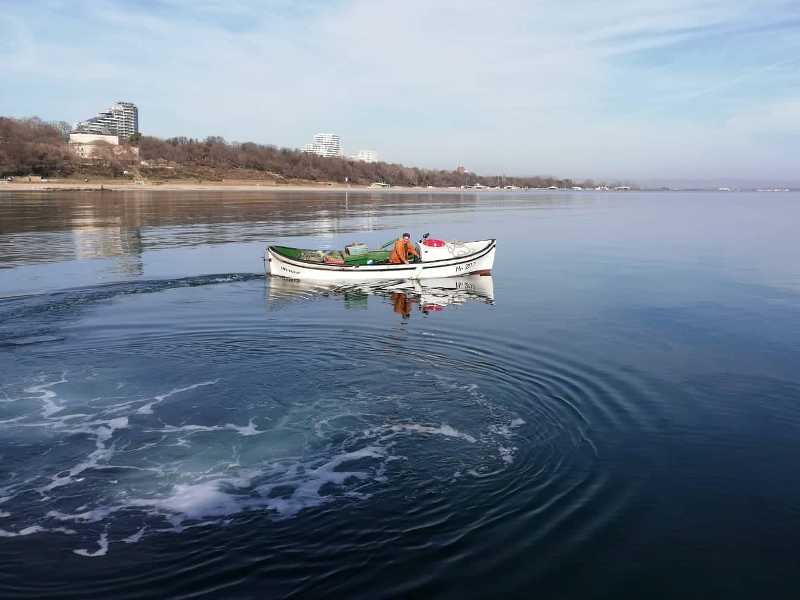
<point>245,186</point>
<point>174,187</point>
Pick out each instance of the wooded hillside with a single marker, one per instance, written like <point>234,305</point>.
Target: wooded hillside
<point>33,147</point>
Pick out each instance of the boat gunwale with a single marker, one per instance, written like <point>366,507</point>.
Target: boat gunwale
<point>491,244</point>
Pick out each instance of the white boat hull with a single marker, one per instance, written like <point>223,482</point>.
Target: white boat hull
<point>478,258</point>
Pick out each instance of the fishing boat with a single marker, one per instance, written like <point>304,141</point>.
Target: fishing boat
<point>438,259</point>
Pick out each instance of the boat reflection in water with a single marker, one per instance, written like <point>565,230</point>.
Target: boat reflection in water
<point>405,297</point>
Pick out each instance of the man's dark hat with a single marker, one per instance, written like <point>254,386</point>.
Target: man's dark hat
<point>407,235</point>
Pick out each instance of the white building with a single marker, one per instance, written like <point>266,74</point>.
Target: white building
<point>97,146</point>
<point>93,138</point>
<point>89,145</point>
<point>121,119</point>
<point>126,116</point>
<point>325,144</point>
<point>367,156</point>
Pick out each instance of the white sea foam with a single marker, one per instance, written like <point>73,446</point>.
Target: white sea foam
<point>27,531</point>
<point>307,483</point>
<point>35,529</point>
<point>199,500</point>
<point>101,551</point>
<point>103,431</point>
<point>291,488</point>
<point>444,430</point>
<point>89,516</point>
<point>147,409</point>
<point>485,473</point>
<point>47,396</point>
<point>187,501</point>
<point>133,539</point>
<point>506,430</point>
<point>245,430</point>
<point>346,454</point>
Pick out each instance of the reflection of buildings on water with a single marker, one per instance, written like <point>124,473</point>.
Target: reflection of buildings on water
<point>75,228</point>
<point>81,225</point>
<point>110,229</point>
<point>404,297</point>
<point>108,242</point>
<point>34,247</point>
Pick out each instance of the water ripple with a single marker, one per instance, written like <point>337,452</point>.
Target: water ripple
<point>293,420</point>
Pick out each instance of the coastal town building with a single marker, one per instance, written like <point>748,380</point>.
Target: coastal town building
<point>93,138</point>
<point>122,120</point>
<point>88,145</point>
<point>367,156</point>
<point>126,115</point>
<point>325,144</point>
<point>94,146</point>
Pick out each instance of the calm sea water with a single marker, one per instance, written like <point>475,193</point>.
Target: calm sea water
<point>615,413</point>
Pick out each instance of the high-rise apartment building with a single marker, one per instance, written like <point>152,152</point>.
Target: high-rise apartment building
<point>367,156</point>
<point>325,144</point>
<point>102,124</point>
<point>121,119</point>
<point>126,116</point>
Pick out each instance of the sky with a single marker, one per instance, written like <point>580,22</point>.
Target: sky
<point>627,90</point>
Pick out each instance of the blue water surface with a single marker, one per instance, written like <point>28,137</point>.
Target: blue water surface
<point>615,412</point>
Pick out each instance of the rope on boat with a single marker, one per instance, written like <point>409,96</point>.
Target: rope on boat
<point>458,248</point>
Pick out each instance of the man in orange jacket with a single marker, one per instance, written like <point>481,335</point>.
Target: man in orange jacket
<point>402,248</point>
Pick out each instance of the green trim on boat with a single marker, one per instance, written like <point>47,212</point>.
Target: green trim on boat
<point>376,256</point>
<point>288,252</point>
